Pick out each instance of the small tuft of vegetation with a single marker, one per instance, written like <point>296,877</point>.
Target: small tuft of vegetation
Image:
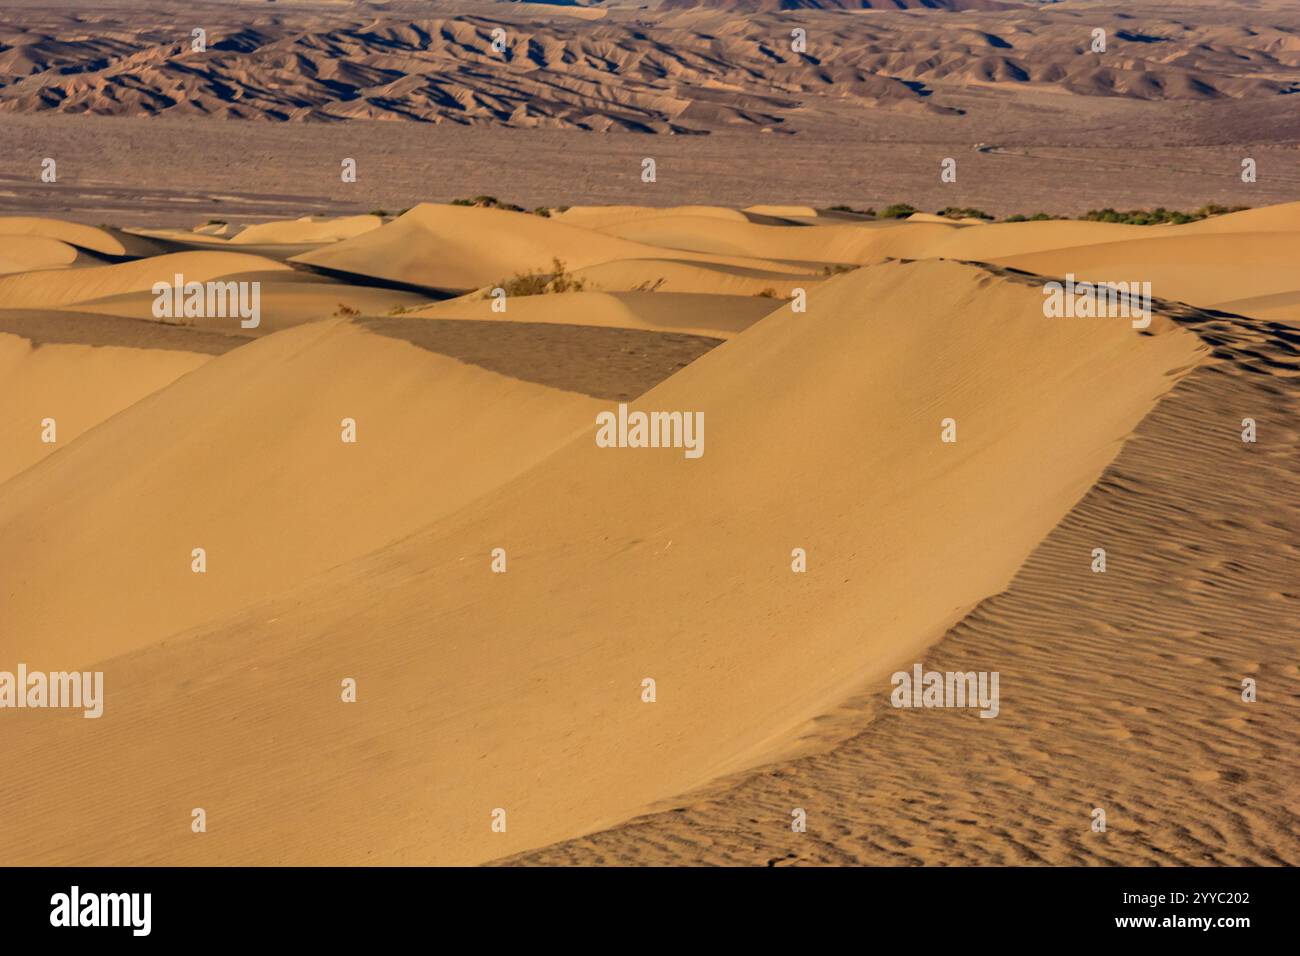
<point>346,312</point>
<point>857,212</point>
<point>768,293</point>
<point>835,269</point>
<point>381,213</point>
<point>488,202</point>
<point>899,210</point>
<point>539,282</point>
<point>543,212</point>
<point>1138,217</point>
<point>1158,216</point>
<point>963,212</point>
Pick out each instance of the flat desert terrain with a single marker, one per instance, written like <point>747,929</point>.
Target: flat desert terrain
<point>336,483</point>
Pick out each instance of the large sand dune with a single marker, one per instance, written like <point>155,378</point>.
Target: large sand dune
<point>1121,691</point>
<point>522,690</point>
<point>52,288</point>
<point>712,314</point>
<point>1190,268</point>
<point>623,566</point>
<point>222,461</point>
<point>479,247</point>
<point>78,386</point>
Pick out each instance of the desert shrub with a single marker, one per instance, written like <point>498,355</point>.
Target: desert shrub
<point>899,210</point>
<point>1214,209</point>
<point>1159,216</point>
<point>543,212</point>
<point>381,213</point>
<point>768,293</point>
<point>963,212</point>
<point>488,202</point>
<point>346,311</point>
<point>539,282</point>
<point>860,212</point>
<point>834,269</point>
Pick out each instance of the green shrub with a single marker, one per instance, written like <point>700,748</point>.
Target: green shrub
<point>858,212</point>
<point>899,210</point>
<point>963,212</point>
<point>538,282</point>
<point>1158,216</point>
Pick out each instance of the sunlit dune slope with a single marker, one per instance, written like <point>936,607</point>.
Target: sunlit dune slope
<point>74,234</point>
<point>1197,269</point>
<point>1284,217</point>
<point>661,275</point>
<point>522,690</point>
<point>998,240</point>
<point>839,243</point>
<point>308,229</point>
<point>244,458</point>
<point>52,288</point>
<point>719,316</point>
<point>285,298</point>
<point>460,248</point>
<point>1278,307</point>
<point>77,386</point>
<point>24,253</point>
<point>599,217</point>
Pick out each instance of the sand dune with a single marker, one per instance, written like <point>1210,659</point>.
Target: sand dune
<point>995,241</point>
<point>1190,268</point>
<point>479,247</point>
<point>60,287</point>
<point>700,278</point>
<point>221,460</point>
<point>78,386</point>
<point>308,229</point>
<point>1121,690</point>
<point>74,234</point>
<point>1279,307</point>
<point>286,298</point>
<point>25,253</point>
<point>1281,218</point>
<point>599,217</point>
<point>719,316</point>
<point>844,459</point>
<point>857,243</point>
<point>522,690</point>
